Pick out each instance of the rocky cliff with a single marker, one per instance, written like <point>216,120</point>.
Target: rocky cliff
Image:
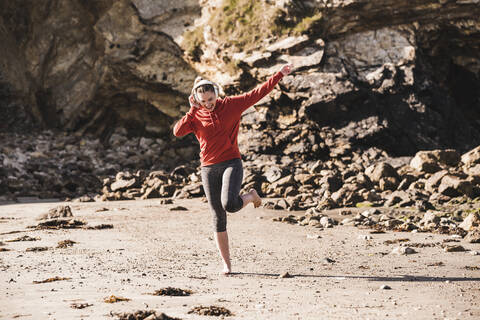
<point>91,66</point>
<point>107,80</point>
<point>399,75</point>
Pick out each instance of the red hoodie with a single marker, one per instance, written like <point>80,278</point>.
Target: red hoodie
<point>217,130</point>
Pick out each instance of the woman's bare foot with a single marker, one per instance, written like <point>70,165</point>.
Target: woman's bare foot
<point>251,196</point>
<point>257,201</point>
<point>226,270</point>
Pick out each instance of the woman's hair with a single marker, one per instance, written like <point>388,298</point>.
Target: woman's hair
<point>203,88</point>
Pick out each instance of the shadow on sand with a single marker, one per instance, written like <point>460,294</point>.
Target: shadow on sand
<point>406,278</point>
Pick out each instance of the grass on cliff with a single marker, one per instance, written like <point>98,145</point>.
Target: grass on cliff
<point>244,24</point>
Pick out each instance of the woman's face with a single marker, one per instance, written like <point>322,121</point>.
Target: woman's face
<point>207,99</point>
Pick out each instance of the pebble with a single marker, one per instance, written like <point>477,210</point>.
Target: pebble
<point>454,249</point>
<point>178,208</point>
<point>285,275</point>
<point>456,236</point>
<point>403,250</point>
<point>365,237</point>
<point>475,253</point>
<point>385,287</point>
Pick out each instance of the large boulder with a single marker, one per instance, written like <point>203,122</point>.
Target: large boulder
<point>453,186</point>
<point>431,161</point>
<point>380,170</point>
<point>471,221</point>
<point>434,180</point>
<point>473,236</point>
<point>384,175</point>
<point>471,157</point>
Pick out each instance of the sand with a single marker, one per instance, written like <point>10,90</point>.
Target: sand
<point>151,247</point>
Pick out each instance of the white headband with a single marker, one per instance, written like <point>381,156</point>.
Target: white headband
<point>204,82</point>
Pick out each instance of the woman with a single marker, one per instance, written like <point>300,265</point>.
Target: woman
<point>215,123</point>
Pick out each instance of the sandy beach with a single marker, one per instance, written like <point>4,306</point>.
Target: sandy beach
<point>336,273</point>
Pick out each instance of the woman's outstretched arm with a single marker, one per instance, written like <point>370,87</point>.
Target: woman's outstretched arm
<point>246,100</point>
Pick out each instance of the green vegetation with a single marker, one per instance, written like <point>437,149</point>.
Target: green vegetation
<point>192,41</point>
<point>307,23</point>
<point>465,213</point>
<point>365,204</point>
<point>244,24</point>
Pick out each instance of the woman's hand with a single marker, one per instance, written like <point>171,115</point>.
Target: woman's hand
<point>193,102</point>
<point>286,69</point>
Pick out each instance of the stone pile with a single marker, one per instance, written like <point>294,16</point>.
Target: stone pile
<point>432,221</point>
<point>182,182</point>
<point>55,165</point>
<point>321,172</point>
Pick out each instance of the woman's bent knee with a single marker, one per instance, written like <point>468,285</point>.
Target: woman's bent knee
<point>233,205</point>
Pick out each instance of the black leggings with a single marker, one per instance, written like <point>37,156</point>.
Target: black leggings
<point>222,183</point>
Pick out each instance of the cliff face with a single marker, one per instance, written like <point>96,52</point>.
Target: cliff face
<point>399,75</point>
<point>91,66</point>
<point>372,80</point>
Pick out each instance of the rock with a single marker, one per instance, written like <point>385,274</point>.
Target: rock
<point>358,99</point>
<point>331,181</point>
<point>385,287</point>
<point>438,198</point>
<point>194,189</point>
<point>370,212</point>
<point>282,204</point>
<point>453,248</point>
<point>178,208</point>
<point>365,237</point>
<point>471,221</point>
<point>288,44</point>
<point>58,212</point>
<point>348,222</point>
<point>430,217</point>
<point>433,182</point>
<point>424,161</point>
<point>453,186</point>
<point>447,157</point>
<point>473,236</point>
<point>424,205</point>
<point>473,171</point>
<point>381,170</point>
<point>285,275</point>
<point>255,59</point>
<point>82,97</point>
<point>406,181</point>
<point>403,250</point>
<point>471,157</point>
<point>388,183</point>
<point>122,185</point>
<point>327,222</point>
<point>398,197</point>
<point>306,58</point>
<point>273,174</point>
<point>429,161</point>
<point>328,260</point>
<point>84,198</point>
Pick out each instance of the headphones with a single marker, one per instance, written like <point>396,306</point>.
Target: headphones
<point>204,82</point>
